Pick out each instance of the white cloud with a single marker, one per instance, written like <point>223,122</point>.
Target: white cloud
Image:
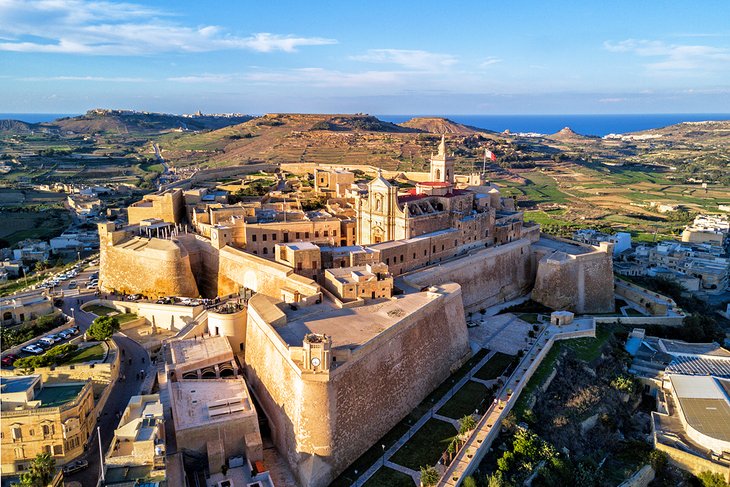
<point>612,100</point>
<point>111,79</point>
<point>489,62</point>
<point>675,57</point>
<point>106,28</point>
<point>204,78</point>
<point>410,59</point>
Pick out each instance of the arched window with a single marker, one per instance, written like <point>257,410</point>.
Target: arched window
<point>438,174</point>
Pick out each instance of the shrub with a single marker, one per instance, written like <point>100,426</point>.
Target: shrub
<point>711,479</point>
<point>429,475</point>
<point>466,424</point>
<point>103,328</point>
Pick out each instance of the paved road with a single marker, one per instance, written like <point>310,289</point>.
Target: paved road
<point>122,390</point>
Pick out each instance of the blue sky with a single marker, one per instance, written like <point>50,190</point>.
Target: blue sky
<point>385,57</point>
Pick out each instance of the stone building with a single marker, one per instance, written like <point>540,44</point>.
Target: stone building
<point>24,308</point>
<point>43,418</point>
<point>168,206</point>
<point>139,440</point>
<point>370,281</point>
<point>333,182</point>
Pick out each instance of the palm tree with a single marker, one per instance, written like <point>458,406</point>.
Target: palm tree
<point>41,471</point>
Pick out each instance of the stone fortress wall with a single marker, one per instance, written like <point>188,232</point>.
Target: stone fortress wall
<point>487,277</point>
<point>578,278</point>
<point>324,421</point>
<point>153,267</point>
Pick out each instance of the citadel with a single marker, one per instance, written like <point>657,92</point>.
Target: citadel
<point>348,315</point>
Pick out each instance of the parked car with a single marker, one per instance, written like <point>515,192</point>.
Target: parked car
<point>34,349</point>
<point>74,467</point>
<point>46,340</point>
<point>55,338</point>
<point>64,334</point>
<point>74,330</point>
<point>9,359</point>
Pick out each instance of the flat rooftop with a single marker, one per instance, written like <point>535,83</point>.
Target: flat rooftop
<point>301,246</point>
<point>705,404</point>
<point>352,327</point>
<point>571,249</point>
<point>10,385</point>
<point>197,403</point>
<point>53,395</point>
<point>209,350</point>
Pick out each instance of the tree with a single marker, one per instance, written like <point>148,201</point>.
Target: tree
<point>496,479</point>
<point>429,476</point>
<point>712,479</point>
<point>41,471</point>
<point>469,482</point>
<point>103,328</point>
<point>658,460</point>
<point>466,424</point>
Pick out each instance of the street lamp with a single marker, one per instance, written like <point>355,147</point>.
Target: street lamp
<point>383,446</point>
<point>73,316</point>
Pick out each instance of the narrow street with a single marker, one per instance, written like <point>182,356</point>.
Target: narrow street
<point>122,390</point>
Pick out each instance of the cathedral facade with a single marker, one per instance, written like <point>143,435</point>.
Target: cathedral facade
<point>385,214</point>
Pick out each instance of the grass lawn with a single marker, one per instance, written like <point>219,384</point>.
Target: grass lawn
<point>426,446</point>
<point>95,352</point>
<point>529,317</point>
<point>495,366</point>
<point>589,349</point>
<point>125,317</point>
<point>471,396</point>
<point>388,476</point>
<point>99,310</point>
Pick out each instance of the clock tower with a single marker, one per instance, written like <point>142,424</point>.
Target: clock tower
<point>317,355</point>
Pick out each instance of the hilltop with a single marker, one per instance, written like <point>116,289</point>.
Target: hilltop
<point>353,139</point>
<point>439,125</point>
<point>17,127</point>
<point>125,122</point>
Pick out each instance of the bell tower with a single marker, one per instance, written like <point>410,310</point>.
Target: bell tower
<point>442,166</point>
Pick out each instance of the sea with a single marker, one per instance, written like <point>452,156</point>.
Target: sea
<point>599,125</point>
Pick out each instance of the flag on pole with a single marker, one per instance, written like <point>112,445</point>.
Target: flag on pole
<point>489,154</point>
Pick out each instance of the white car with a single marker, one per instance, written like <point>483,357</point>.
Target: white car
<point>34,349</point>
<point>47,340</point>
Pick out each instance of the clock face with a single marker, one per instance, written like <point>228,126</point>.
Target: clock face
<point>315,361</point>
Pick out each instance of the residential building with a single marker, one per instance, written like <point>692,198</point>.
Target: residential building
<point>43,418</point>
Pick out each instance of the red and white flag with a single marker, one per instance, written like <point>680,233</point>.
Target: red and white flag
<point>489,154</point>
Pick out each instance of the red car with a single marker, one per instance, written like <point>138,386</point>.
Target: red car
<point>9,359</point>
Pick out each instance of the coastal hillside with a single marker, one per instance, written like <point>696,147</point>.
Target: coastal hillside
<point>438,125</point>
<point>325,139</point>
<point>122,122</point>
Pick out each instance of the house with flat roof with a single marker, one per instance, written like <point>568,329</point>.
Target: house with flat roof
<point>43,418</point>
<point>139,440</point>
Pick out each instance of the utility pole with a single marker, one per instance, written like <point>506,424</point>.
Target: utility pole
<point>101,453</point>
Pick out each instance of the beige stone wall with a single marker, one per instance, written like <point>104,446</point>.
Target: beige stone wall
<point>133,268</point>
<point>323,422</point>
<point>64,448</point>
<point>692,463</point>
<point>579,283</point>
<point>168,207</point>
<point>487,277</point>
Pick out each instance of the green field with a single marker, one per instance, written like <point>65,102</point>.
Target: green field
<point>473,396</point>
<point>426,446</point>
<point>495,366</point>
<point>388,477</point>
<point>95,352</point>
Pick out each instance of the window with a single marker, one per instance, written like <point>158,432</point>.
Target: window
<point>414,255</point>
<point>264,237</point>
<point>266,250</point>
<point>334,233</point>
<point>47,449</point>
<point>314,264</point>
<point>273,236</point>
<point>387,261</point>
<point>299,266</point>
<point>316,234</point>
<point>326,233</point>
<point>401,257</point>
<point>46,430</point>
<point>306,235</point>
<point>17,433</point>
<point>58,449</point>
<point>253,238</point>
<point>297,234</point>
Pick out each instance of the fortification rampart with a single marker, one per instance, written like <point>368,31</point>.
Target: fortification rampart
<point>581,282</point>
<point>152,267</point>
<point>487,277</point>
<point>323,422</point>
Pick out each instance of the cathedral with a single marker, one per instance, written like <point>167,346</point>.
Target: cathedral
<point>432,206</point>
